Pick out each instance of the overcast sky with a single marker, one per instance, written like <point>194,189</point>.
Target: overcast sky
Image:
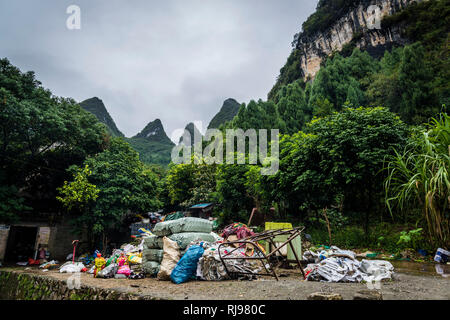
<point>176,60</point>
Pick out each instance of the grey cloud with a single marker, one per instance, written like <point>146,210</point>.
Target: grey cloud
<point>176,60</point>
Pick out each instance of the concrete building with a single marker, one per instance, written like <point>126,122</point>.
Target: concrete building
<point>20,241</point>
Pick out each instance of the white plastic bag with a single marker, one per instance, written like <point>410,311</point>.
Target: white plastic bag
<point>108,272</point>
<point>376,270</point>
<point>70,267</point>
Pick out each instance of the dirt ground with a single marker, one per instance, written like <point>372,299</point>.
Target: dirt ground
<point>404,286</point>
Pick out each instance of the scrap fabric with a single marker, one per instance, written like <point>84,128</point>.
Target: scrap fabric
<point>211,268</point>
<point>239,229</point>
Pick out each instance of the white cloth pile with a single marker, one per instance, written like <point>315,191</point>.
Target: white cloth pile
<point>127,248</point>
<point>336,265</point>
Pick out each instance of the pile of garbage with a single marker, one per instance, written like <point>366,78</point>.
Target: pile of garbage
<point>211,268</point>
<point>123,263</point>
<point>178,249</point>
<point>183,231</point>
<point>336,265</point>
<point>442,256</point>
<point>186,248</point>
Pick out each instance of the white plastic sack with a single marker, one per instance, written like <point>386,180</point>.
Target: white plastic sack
<point>129,248</point>
<point>340,270</point>
<point>344,269</point>
<point>216,236</point>
<point>210,267</point>
<point>336,252</point>
<point>70,267</point>
<point>109,271</point>
<point>376,270</point>
<point>141,245</point>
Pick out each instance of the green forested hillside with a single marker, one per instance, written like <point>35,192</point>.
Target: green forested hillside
<point>191,135</point>
<point>97,108</point>
<point>153,144</point>
<point>426,23</point>
<point>228,111</point>
<point>411,81</point>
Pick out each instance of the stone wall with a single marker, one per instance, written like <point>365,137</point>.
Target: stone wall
<point>4,232</point>
<point>25,286</point>
<point>61,237</point>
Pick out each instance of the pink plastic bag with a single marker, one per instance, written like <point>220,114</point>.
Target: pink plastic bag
<point>123,268</point>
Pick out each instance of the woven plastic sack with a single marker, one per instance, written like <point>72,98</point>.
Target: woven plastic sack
<point>186,268</point>
<point>153,255</point>
<point>150,267</point>
<point>153,242</point>
<point>170,259</point>
<point>184,239</point>
<point>189,224</point>
<point>174,216</point>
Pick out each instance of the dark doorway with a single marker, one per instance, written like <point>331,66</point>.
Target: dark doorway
<point>21,242</point>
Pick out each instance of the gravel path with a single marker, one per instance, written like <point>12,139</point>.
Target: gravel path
<point>292,287</point>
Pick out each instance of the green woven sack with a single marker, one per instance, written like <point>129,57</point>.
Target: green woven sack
<point>152,254</point>
<point>188,224</point>
<point>153,242</point>
<point>150,267</point>
<point>184,239</point>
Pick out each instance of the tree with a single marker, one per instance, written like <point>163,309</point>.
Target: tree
<point>190,184</point>
<point>79,193</point>
<point>179,181</point>
<point>125,186</point>
<point>235,201</point>
<point>404,85</point>
<point>337,163</point>
<point>256,115</point>
<point>40,137</point>
<point>415,78</point>
<point>352,146</point>
<point>11,204</point>
<point>293,108</point>
<point>343,79</point>
<point>419,179</point>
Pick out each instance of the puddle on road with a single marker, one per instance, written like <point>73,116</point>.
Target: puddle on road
<point>422,268</point>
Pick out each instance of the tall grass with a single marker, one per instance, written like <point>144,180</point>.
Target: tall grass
<point>418,179</point>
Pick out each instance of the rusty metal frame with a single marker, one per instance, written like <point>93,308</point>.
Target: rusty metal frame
<point>268,235</point>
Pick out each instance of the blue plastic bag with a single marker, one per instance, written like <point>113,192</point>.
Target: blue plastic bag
<point>186,268</point>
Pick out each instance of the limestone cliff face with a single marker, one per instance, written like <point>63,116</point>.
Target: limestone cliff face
<point>355,26</point>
